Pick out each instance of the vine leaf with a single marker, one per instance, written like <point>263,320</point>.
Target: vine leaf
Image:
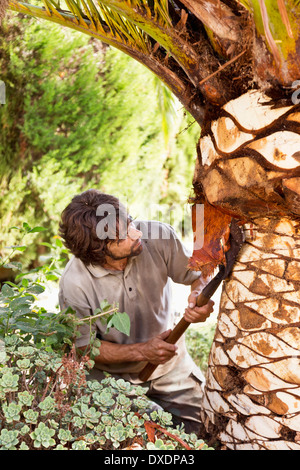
<point>120,321</point>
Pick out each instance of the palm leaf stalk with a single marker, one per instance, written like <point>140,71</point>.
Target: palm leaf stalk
<point>152,36</point>
<point>200,49</point>
<point>113,29</point>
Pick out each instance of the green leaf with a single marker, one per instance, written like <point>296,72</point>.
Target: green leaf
<point>121,322</point>
<point>16,247</point>
<point>58,242</point>
<point>104,305</point>
<point>51,277</point>
<point>37,229</point>
<point>47,244</point>
<point>21,304</point>
<point>36,289</point>
<point>7,291</point>
<point>13,265</point>
<point>25,282</point>
<point>26,227</point>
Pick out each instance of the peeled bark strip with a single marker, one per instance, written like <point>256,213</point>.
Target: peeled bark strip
<point>252,394</point>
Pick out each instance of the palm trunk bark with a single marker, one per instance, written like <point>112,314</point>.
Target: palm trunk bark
<point>252,395</point>
<point>248,167</point>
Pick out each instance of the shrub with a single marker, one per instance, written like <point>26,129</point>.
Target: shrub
<point>45,400</point>
<point>199,344</point>
<point>46,403</point>
<point>19,312</point>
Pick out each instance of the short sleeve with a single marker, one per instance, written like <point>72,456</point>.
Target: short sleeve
<point>177,258</point>
<point>82,309</point>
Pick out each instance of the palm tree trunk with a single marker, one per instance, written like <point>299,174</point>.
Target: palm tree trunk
<point>252,395</point>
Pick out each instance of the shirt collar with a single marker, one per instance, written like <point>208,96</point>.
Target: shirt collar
<point>99,271</point>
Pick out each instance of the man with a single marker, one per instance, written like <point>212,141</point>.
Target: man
<point>131,263</point>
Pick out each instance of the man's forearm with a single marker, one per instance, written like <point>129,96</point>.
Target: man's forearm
<point>156,350</point>
<point>199,284</point>
<point>112,353</point>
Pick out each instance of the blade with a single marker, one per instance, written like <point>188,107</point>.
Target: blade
<point>236,239</point>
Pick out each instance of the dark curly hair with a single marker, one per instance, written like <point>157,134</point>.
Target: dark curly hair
<point>86,230</point>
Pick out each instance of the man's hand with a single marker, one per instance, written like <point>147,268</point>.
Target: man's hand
<point>157,351</point>
<point>194,314</point>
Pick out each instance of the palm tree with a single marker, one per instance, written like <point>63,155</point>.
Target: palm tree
<point>234,65</point>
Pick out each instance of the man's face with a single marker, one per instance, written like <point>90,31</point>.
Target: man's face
<point>126,247</point>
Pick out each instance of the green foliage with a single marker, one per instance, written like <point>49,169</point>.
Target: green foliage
<point>199,344</point>
<point>112,318</point>
<point>42,436</point>
<point>20,313</point>
<point>160,445</point>
<point>45,400</point>
<point>79,115</point>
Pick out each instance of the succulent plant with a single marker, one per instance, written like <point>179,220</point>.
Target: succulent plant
<point>123,401</point>
<point>103,399</point>
<point>23,446</point>
<point>11,412</point>
<point>23,364</point>
<point>43,436</point>
<point>116,434</point>
<point>9,382</point>
<point>46,412</point>
<point>160,445</point>
<point>47,405</point>
<point>31,416</point>
<point>25,398</point>
<point>89,415</point>
<point>8,439</point>
<point>64,435</point>
<point>80,445</point>
<point>26,351</point>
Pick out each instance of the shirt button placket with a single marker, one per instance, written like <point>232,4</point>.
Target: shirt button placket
<point>130,290</point>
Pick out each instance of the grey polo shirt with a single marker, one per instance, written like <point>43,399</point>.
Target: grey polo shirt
<point>142,290</point>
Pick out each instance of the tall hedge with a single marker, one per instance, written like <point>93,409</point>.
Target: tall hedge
<point>80,115</point>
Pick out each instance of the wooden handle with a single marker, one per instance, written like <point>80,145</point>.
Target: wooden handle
<point>202,300</point>
<point>173,337</point>
<point>147,371</point>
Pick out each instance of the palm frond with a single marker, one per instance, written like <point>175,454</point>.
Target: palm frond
<point>139,13</point>
<point>277,23</point>
<point>133,23</point>
<point>124,29</point>
<point>107,25</point>
<point>157,10</point>
<point>284,17</point>
<point>96,20</point>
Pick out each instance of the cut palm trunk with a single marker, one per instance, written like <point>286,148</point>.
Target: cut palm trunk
<point>252,394</point>
<point>249,165</point>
